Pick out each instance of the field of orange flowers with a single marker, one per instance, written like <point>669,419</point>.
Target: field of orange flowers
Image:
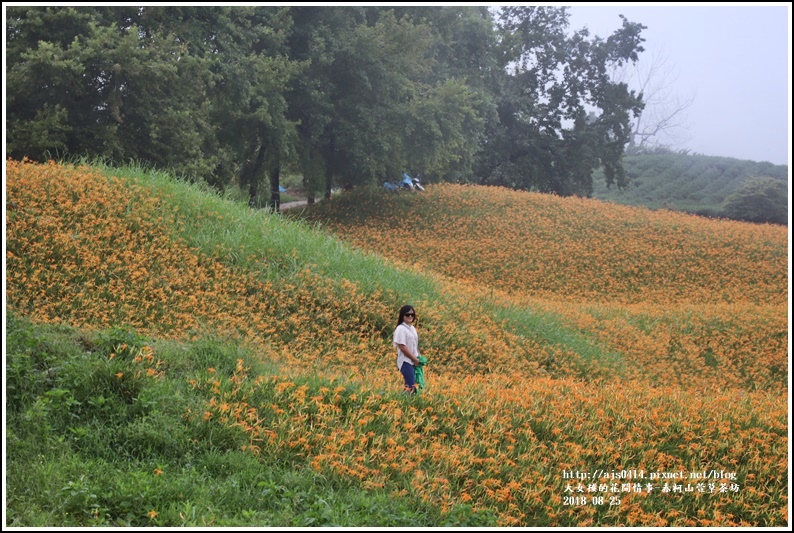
<point>568,249</point>
<point>686,426</point>
<point>686,300</point>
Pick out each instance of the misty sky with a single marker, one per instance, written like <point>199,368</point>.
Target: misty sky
<point>734,60</point>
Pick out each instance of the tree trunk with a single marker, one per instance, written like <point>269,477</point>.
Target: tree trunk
<point>275,194</point>
<point>330,164</point>
<point>329,182</point>
<point>253,176</point>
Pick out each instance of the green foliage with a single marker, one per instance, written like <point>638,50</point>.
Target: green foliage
<point>696,184</point>
<point>458,92</point>
<point>99,467</point>
<point>356,102</point>
<point>445,132</point>
<point>345,95</point>
<point>82,82</point>
<point>464,515</point>
<point>532,146</point>
<point>761,199</point>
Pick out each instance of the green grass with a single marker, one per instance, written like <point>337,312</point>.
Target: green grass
<point>86,448</point>
<point>274,245</point>
<point>552,332</point>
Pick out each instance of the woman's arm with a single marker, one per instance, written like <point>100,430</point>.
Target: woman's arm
<point>408,354</point>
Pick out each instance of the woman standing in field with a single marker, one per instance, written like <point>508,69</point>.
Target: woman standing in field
<point>406,340</point>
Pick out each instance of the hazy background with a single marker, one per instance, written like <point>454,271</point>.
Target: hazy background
<point>733,60</point>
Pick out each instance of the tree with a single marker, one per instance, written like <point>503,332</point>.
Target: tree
<point>370,105</point>
<point>87,81</point>
<point>199,91</point>
<point>456,107</point>
<point>549,138</point>
<point>662,121</point>
<point>351,105</point>
<point>444,131</point>
<point>347,95</point>
<point>245,56</point>
<point>761,199</point>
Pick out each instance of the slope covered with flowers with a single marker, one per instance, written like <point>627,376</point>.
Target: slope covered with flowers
<point>677,296</point>
<point>694,381</point>
<point>568,249</point>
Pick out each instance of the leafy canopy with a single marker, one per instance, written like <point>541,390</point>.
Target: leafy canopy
<point>343,95</point>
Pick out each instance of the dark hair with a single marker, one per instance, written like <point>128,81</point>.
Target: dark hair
<point>403,310</point>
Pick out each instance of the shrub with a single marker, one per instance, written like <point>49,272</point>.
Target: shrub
<point>760,199</point>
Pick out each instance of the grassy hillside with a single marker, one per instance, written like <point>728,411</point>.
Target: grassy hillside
<point>690,183</point>
<point>175,358</point>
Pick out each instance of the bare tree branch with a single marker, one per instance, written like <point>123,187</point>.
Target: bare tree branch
<point>663,121</point>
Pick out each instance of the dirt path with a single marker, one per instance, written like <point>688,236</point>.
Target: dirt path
<point>290,205</point>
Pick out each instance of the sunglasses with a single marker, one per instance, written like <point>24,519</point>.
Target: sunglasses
<point>410,314</point>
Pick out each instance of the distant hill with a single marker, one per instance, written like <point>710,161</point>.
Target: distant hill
<point>695,184</point>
